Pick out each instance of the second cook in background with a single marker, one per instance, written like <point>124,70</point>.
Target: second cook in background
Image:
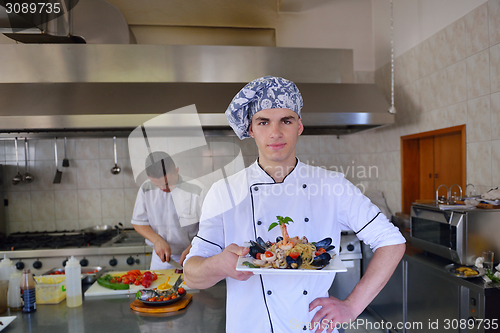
<point>167,210</point>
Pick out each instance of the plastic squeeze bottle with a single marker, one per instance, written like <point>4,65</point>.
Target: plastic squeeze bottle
<point>73,272</point>
<point>6,268</point>
<point>28,292</point>
<point>14,293</point>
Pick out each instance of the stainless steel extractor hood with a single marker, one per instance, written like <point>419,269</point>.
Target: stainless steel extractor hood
<point>64,21</point>
<point>75,87</point>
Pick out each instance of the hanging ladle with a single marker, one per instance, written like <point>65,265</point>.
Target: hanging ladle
<point>116,169</point>
<point>17,178</point>
<point>58,176</point>
<point>65,162</point>
<point>28,177</point>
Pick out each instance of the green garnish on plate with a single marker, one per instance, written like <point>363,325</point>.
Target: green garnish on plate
<point>249,264</point>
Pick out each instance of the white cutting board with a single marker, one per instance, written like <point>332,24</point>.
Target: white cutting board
<point>97,290</point>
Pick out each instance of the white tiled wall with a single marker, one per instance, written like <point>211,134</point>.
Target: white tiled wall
<point>90,195</point>
<point>450,79</point>
<point>87,195</point>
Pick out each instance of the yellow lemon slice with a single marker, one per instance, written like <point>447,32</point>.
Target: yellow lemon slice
<point>164,286</point>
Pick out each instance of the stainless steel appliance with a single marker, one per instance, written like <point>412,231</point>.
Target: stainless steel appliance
<point>42,251</point>
<point>458,235</point>
<point>172,77</point>
<point>3,221</point>
<point>350,254</point>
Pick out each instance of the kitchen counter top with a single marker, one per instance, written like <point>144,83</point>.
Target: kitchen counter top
<point>205,313</point>
<point>438,263</point>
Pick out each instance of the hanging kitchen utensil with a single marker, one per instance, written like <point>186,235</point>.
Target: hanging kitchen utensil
<point>58,176</point>
<point>65,162</point>
<point>28,177</point>
<point>392,109</point>
<point>116,169</point>
<point>17,178</point>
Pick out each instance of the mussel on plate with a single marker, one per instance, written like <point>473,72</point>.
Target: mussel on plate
<point>256,248</point>
<point>261,242</point>
<point>322,260</point>
<point>294,263</point>
<point>324,243</point>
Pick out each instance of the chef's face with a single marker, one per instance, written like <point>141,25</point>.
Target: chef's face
<point>167,183</point>
<point>276,132</point>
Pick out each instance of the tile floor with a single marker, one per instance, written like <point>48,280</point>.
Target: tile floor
<point>367,325</point>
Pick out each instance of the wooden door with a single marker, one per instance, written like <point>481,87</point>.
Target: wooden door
<point>430,159</point>
<point>447,161</point>
<point>426,152</point>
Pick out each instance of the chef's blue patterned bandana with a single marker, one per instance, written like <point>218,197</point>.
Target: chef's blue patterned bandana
<point>268,92</point>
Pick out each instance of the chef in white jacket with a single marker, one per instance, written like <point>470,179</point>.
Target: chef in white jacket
<point>167,210</point>
<point>321,204</point>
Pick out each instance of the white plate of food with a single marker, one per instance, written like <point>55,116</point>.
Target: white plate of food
<point>247,264</point>
<point>5,321</point>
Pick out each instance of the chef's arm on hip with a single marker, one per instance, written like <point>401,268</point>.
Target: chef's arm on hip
<point>379,271</point>
<point>161,246</point>
<point>201,273</point>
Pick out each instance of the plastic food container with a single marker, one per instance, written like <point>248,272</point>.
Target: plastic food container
<point>50,289</point>
<point>3,295</point>
<point>89,273</point>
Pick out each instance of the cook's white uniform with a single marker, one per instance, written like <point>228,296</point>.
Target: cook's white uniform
<point>174,215</point>
<point>321,203</point>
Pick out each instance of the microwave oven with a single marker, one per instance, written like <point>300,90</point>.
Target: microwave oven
<point>458,235</point>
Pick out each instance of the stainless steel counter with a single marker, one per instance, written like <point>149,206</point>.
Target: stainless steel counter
<point>205,313</point>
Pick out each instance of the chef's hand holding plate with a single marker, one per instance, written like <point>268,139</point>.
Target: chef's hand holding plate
<point>332,311</point>
<point>227,262</point>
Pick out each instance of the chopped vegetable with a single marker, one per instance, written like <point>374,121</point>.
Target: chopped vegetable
<point>105,281</point>
<point>319,251</point>
<point>249,264</point>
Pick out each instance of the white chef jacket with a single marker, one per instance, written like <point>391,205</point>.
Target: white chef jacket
<point>174,215</point>
<point>321,203</point>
